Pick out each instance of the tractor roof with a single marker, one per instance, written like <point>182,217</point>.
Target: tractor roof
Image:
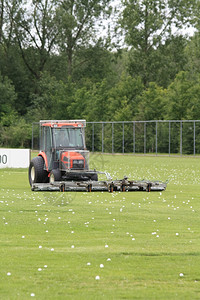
<point>61,123</point>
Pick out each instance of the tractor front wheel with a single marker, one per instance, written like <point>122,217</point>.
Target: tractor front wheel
<point>55,175</point>
<point>37,174</point>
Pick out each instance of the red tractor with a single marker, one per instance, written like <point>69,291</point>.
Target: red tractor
<point>63,155</point>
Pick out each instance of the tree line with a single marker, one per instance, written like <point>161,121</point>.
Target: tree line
<point>55,63</point>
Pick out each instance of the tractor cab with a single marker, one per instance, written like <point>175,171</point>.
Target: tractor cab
<point>63,144</point>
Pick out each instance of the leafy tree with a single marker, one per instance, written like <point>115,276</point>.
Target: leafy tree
<point>120,61</point>
<point>179,97</point>
<point>124,97</point>
<point>36,33</point>
<point>90,102</point>
<point>93,63</point>
<point>7,96</point>
<point>52,99</point>
<point>9,16</point>
<point>76,26</point>
<point>1,19</point>
<point>193,110</point>
<point>170,59</point>
<point>11,66</point>
<point>15,132</point>
<point>147,24</point>
<point>79,108</point>
<point>97,104</point>
<point>152,104</point>
<point>192,53</point>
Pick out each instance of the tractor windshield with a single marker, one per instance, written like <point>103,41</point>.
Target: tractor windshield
<point>68,138</point>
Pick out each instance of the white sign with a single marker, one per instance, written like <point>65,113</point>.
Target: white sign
<point>14,158</point>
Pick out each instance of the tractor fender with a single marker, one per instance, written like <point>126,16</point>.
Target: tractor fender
<point>43,154</point>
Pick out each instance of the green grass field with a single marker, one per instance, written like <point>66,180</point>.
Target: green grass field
<point>131,245</point>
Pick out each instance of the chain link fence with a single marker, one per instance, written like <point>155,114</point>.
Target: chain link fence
<point>139,137</point>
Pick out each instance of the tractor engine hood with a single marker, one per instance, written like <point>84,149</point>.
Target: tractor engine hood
<point>72,160</point>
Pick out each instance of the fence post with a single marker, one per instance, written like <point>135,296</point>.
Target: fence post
<point>102,138</point>
<point>32,138</point>
<point>194,138</point>
<point>134,137</point>
<point>123,140</point>
<point>169,137</point>
<point>40,130</point>
<point>144,137</point>
<point>92,137</point>
<point>156,138</point>
<point>112,137</point>
<point>181,140</point>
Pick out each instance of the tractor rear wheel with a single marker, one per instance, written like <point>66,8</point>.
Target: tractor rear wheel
<point>37,174</point>
<point>55,175</point>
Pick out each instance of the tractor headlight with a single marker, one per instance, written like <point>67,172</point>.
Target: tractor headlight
<point>78,164</point>
<point>77,161</point>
